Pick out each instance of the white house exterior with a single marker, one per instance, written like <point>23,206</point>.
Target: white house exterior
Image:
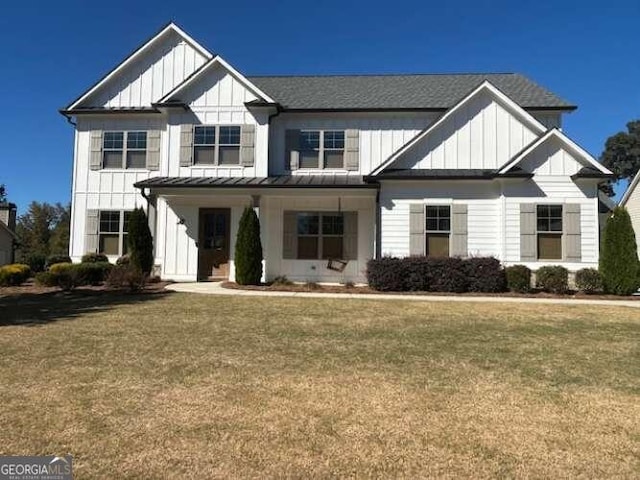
<point>340,169</point>
<point>631,201</point>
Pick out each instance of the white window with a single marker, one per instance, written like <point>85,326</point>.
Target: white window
<point>112,232</point>
<point>216,145</point>
<point>124,150</point>
<point>321,148</point>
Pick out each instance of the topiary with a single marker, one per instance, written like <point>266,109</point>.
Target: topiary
<point>248,254</point>
<point>140,241</point>
<point>589,280</point>
<point>619,265</point>
<point>518,278</point>
<point>553,279</point>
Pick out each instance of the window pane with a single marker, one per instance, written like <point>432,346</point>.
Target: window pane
<point>444,211</point>
<point>229,155</point>
<point>203,155</point>
<point>307,248</point>
<point>137,140</point>
<point>432,211</point>
<point>444,225</point>
<point>309,139</point>
<point>204,135</point>
<point>432,224</point>
<point>555,225</point>
<point>555,211</point>
<point>109,221</point>
<point>307,224</point>
<point>438,244</point>
<point>333,159</point>
<point>308,159</point>
<point>229,135</point>
<point>112,159</point>
<point>113,140</point>
<point>332,247</point>
<point>543,225</point>
<point>334,139</point>
<point>332,225</point>
<point>543,210</point>
<point>136,159</point>
<point>109,244</point>
<point>549,246</point>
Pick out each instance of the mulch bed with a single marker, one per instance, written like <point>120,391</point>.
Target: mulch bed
<point>319,288</point>
<point>30,287</point>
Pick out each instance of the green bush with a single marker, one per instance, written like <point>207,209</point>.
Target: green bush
<point>518,278</point>
<point>92,273</point>
<point>46,279</point>
<point>140,241</point>
<point>123,260</point>
<point>36,261</point>
<point>619,264</point>
<point>70,275</point>
<point>58,258</point>
<point>589,280</point>
<point>14,274</point>
<point>94,258</point>
<point>66,275</point>
<point>553,279</point>
<point>126,277</point>
<point>248,255</point>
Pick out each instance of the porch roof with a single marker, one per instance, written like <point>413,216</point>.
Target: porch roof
<point>283,181</point>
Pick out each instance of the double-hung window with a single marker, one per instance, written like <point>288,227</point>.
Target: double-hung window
<point>321,148</point>
<point>124,149</point>
<point>438,230</point>
<point>549,232</point>
<point>216,145</point>
<point>320,235</point>
<point>112,232</point>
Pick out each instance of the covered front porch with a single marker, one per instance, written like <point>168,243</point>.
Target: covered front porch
<point>313,229</point>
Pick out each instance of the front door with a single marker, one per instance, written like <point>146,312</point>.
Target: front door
<point>213,243</point>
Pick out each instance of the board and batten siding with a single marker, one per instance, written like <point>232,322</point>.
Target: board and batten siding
<point>483,134</point>
<point>633,207</point>
<point>165,66</point>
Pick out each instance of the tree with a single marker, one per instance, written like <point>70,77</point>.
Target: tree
<point>622,154</point>
<point>619,265</point>
<point>140,241</point>
<point>3,193</point>
<point>248,255</point>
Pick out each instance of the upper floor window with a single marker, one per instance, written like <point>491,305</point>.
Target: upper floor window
<point>438,230</point>
<point>124,150</point>
<point>321,148</point>
<point>216,145</point>
<point>112,232</point>
<point>549,231</point>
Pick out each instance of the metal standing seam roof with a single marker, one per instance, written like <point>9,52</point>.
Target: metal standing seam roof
<point>412,91</point>
<point>284,181</point>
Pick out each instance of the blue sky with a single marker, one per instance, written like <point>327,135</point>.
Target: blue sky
<point>53,51</point>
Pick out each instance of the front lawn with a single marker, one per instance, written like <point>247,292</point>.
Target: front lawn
<point>179,386</point>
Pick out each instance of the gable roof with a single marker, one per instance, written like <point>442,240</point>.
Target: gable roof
<point>133,56</point>
<point>398,92</point>
<point>485,86</point>
<point>566,141</point>
<point>632,186</point>
<point>217,60</point>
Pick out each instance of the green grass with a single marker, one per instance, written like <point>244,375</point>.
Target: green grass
<point>186,385</point>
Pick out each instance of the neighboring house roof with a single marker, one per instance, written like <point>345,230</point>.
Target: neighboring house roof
<point>284,181</point>
<point>398,92</point>
<point>8,230</point>
<point>630,189</point>
<point>567,142</point>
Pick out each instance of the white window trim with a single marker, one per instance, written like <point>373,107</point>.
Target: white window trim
<point>120,231</point>
<point>125,134</point>
<point>216,148</point>
<point>560,233</point>
<point>437,232</point>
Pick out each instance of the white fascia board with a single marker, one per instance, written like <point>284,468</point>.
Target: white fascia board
<point>484,86</point>
<point>217,60</point>
<point>137,54</point>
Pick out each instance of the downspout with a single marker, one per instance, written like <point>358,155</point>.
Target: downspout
<point>378,252</point>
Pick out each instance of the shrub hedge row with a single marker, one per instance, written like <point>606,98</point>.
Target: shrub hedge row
<point>70,275</point>
<point>14,274</point>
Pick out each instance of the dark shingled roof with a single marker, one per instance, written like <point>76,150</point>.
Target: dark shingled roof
<point>284,181</point>
<point>414,91</point>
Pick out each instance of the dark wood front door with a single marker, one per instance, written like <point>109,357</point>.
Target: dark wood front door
<point>213,243</point>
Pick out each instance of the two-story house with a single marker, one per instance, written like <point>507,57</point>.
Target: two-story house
<point>340,169</point>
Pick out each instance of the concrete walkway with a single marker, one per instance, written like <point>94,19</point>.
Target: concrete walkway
<point>215,288</point>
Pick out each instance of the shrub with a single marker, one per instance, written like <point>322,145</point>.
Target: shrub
<point>58,258</point>
<point>94,258</point>
<point>518,278</point>
<point>123,260</point>
<point>140,241</point>
<point>36,261</point>
<point>446,274</point>
<point>588,280</point>
<point>46,279</point>
<point>126,277</point>
<point>66,275</point>
<point>312,286</point>
<point>485,274</point>
<point>248,254</point>
<point>281,280</point>
<point>619,264</point>
<point>386,274</point>
<point>92,273</point>
<point>553,279</point>
<point>14,274</point>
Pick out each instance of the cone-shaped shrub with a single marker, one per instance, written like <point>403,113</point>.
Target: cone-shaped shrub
<point>140,241</point>
<point>248,255</point>
<point>619,264</point>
